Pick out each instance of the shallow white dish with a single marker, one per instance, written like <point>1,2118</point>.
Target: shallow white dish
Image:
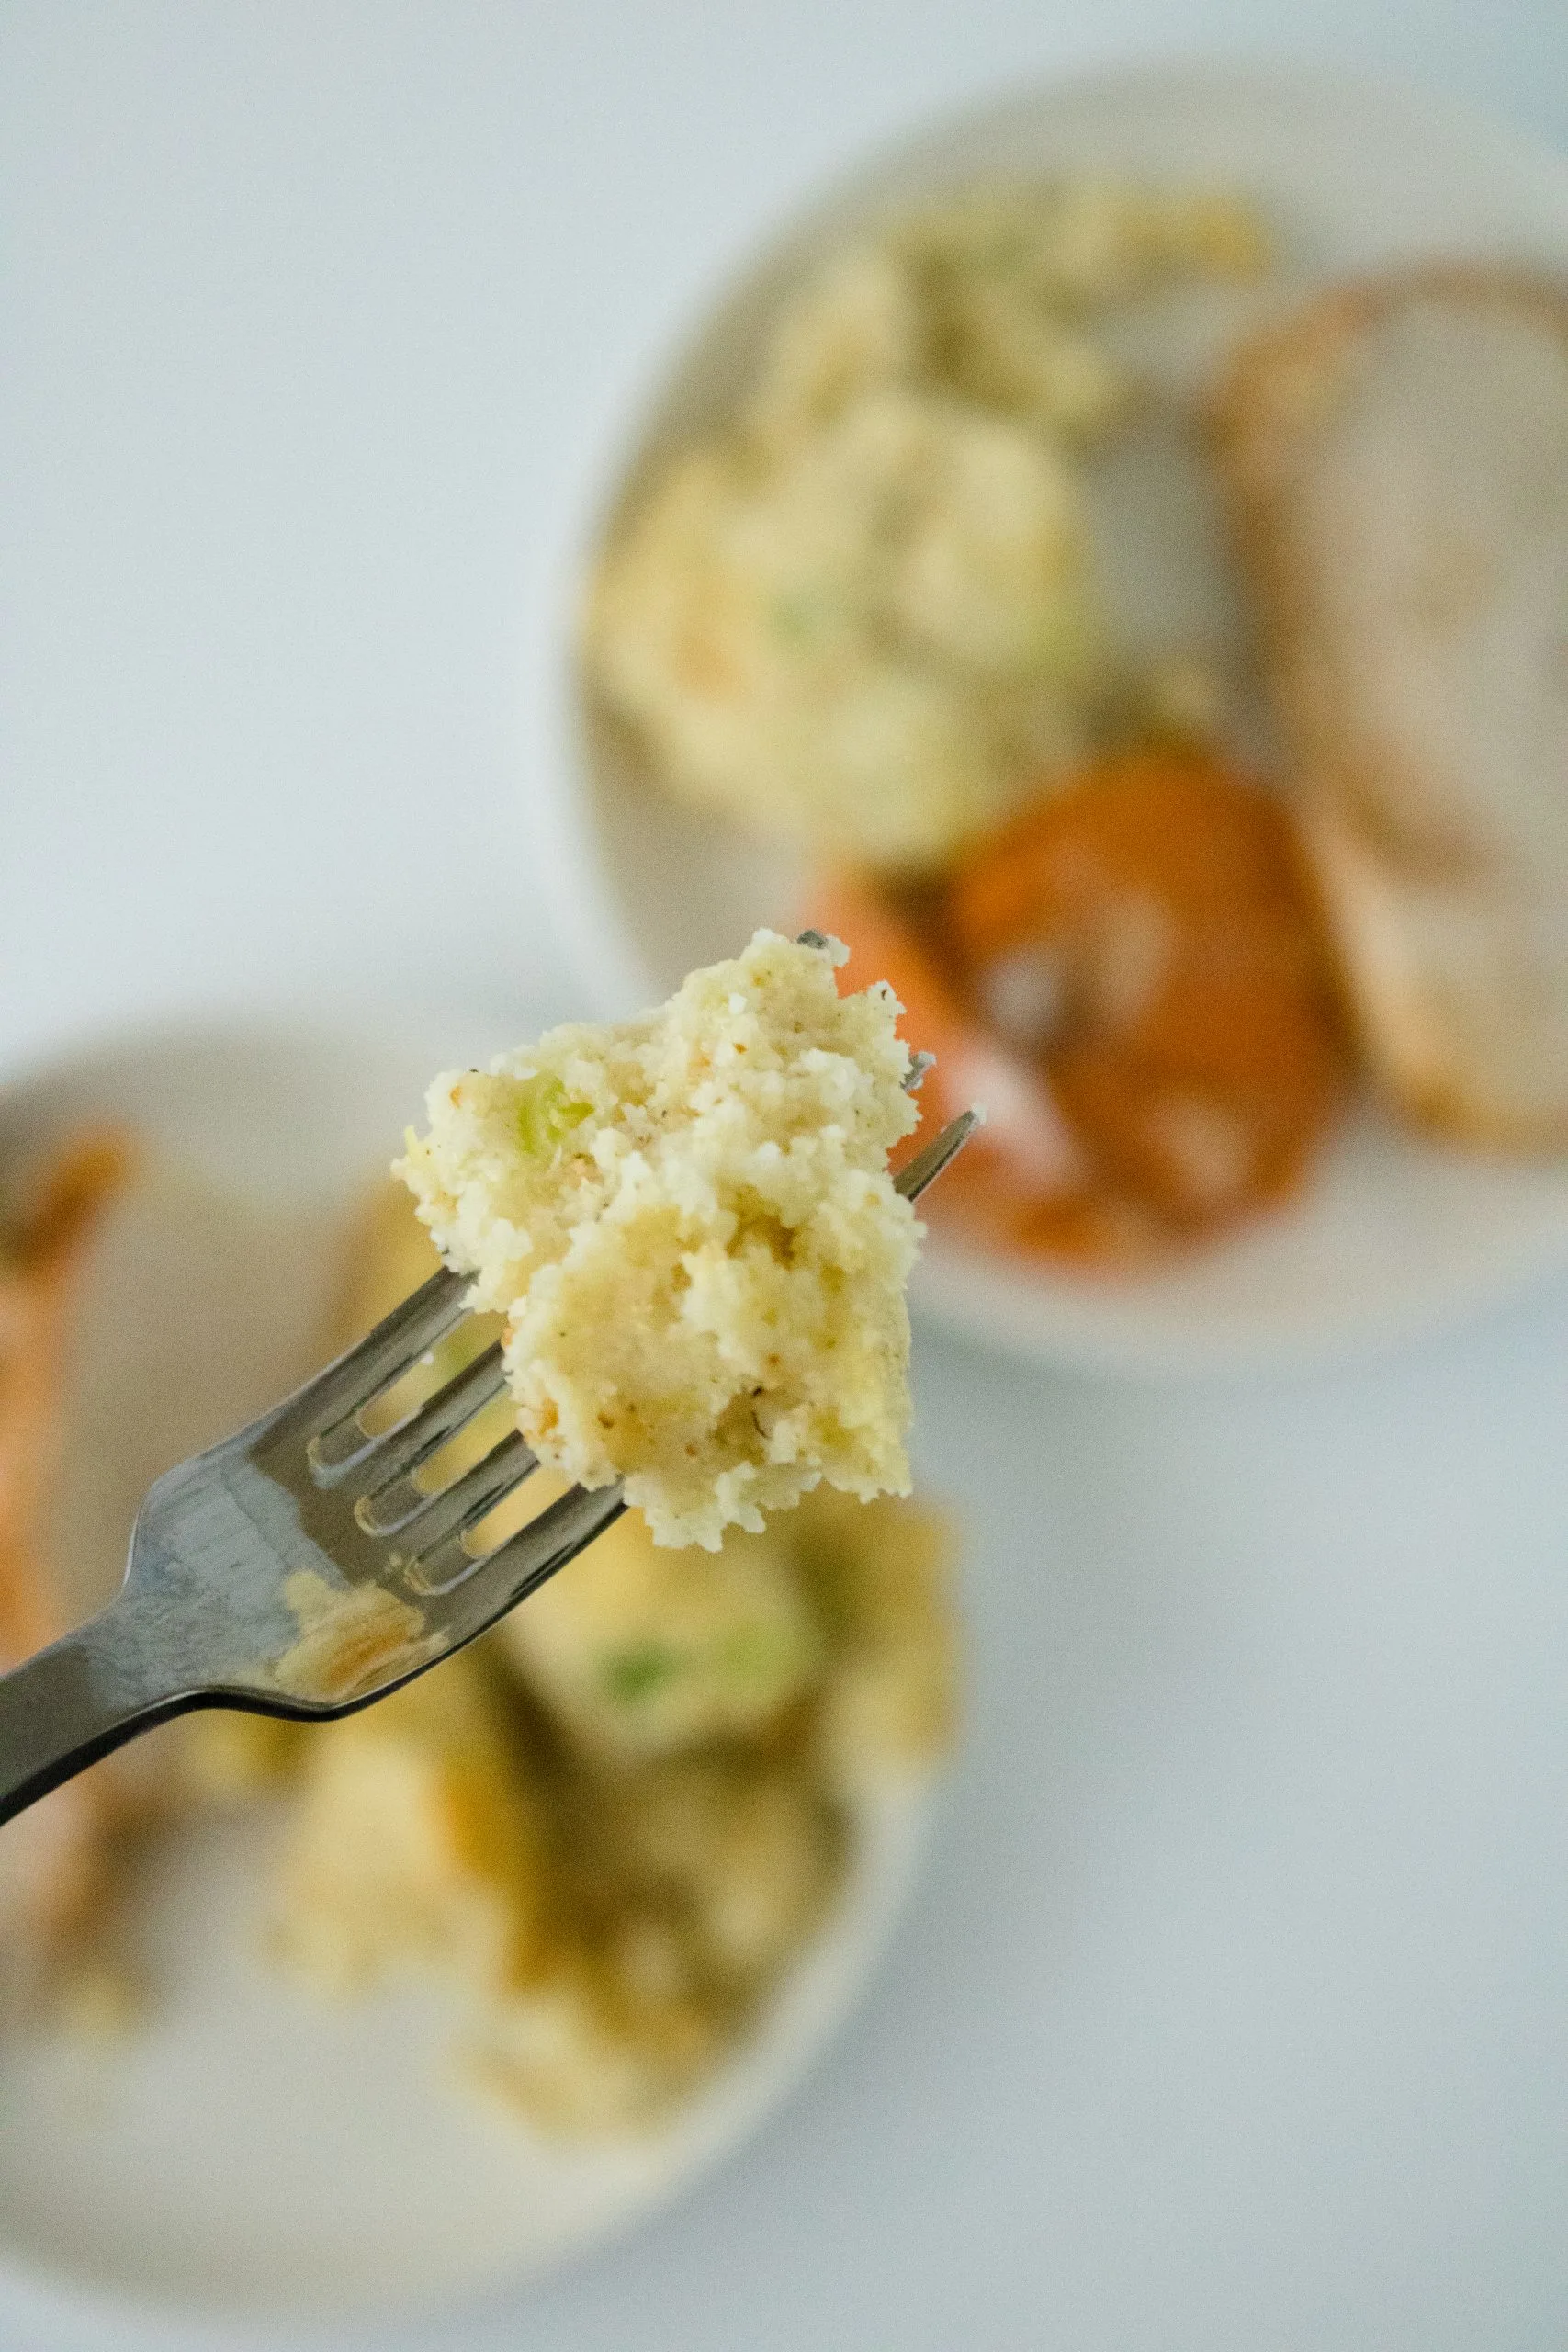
<point>249,2151</point>
<point>1393,1237</point>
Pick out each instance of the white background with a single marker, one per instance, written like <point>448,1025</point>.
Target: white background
<point>1238,1985</point>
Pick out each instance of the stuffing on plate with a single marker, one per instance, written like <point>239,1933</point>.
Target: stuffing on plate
<point>864,615</point>
<point>606,1833</point>
<point>611,1826</point>
<point>688,1222</point>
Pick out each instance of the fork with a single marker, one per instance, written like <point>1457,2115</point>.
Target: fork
<point>300,1568</point>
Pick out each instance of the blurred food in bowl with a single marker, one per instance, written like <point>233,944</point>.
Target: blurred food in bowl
<point>866,615</point>
<point>1162,917</point>
<point>610,1836</point>
<point>614,1825</point>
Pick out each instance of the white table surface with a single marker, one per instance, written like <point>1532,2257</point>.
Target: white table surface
<point>1238,1982</point>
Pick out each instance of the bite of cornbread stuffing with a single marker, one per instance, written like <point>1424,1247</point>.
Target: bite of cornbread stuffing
<point>688,1222</point>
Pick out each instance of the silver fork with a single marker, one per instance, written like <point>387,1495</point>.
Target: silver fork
<point>300,1568</point>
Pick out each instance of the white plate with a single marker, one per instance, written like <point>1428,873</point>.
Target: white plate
<point>1393,1235</point>
<point>250,2152</point>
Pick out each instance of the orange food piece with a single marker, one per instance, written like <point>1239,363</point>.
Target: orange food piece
<point>1151,936</point>
<point>1134,979</point>
<point>1023,1153</point>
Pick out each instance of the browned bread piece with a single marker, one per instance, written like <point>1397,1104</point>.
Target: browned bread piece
<point>1396,461</point>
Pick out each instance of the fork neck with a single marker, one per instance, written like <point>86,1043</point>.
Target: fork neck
<point>75,1703</point>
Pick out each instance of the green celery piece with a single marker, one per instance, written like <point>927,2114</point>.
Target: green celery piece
<point>546,1115</point>
<point>636,1672</point>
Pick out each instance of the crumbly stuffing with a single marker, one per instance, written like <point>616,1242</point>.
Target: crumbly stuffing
<point>643,1650</point>
<point>688,1223</point>
<point>415,1842</point>
<point>612,1848</point>
<point>863,615</point>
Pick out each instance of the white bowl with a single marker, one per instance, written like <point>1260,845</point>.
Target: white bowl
<point>1391,1236</point>
<point>248,2152</point>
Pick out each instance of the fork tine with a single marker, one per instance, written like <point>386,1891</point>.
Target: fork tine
<point>531,1557</point>
<point>408,1333</point>
<point>423,1520</point>
<point>433,1549</point>
<point>927,1165</point>
<point>392,1454</point>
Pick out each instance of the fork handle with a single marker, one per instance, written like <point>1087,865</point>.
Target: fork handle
<point>73,1702</point>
